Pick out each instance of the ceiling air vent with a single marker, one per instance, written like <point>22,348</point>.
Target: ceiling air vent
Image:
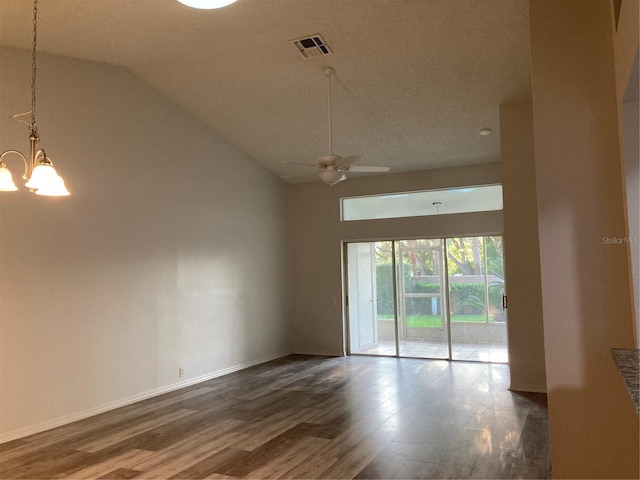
<point>312,46</point>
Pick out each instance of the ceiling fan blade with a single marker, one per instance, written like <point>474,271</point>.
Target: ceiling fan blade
<point>368,168</point>
<point>348,161</point>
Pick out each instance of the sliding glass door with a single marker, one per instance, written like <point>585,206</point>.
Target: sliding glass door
<point>421,307</point>
<point>476,292</point>
<point>370,300</point>
<point>427,298</point>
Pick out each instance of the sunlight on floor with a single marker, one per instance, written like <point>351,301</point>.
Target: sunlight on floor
<point>475,352</point>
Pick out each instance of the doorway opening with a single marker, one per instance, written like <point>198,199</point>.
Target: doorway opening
<point>440,298</point>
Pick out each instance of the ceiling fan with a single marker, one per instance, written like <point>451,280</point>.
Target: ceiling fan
<point>333,168</point>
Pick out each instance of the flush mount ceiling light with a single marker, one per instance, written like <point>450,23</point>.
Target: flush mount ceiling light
<point>206,4</point>
<point>38,169</point>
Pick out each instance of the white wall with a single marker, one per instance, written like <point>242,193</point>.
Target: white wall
<point>316,234</point>
<point>171,251</point>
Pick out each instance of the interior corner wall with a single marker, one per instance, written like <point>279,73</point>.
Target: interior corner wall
<point>585,277</point>
<point>171,251</point>
<point>626,43</point>
<point>522,249</point>
<point>631,145</point>
<point>316,235</point>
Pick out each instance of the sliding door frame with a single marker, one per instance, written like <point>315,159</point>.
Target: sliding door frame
<point>446,297</point>
<point>447,300</point>
<point>394,289</point>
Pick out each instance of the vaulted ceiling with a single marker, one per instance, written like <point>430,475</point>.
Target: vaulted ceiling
<point>416,80</point>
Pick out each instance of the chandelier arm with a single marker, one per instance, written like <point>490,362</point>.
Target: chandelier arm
<point>46,182</point>
<point>26,162</point>
<point>34,156</point>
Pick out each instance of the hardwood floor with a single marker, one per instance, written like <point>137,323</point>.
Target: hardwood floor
<point>308,417</point>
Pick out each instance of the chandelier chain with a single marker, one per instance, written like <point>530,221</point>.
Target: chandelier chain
<point>34,128</point>
<point>329,103</point>
<point>41,177</point>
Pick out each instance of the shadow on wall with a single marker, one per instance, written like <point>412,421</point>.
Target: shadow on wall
<point>631,128</point>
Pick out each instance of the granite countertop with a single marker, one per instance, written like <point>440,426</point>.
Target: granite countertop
<point>628,361</point>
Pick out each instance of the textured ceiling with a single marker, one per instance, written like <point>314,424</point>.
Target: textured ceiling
<point>415,79</point>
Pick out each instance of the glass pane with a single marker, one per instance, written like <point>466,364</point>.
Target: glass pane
<point>429,202</point>
<point>495,279</point>
<point>370,290</point>
<point>421,317</point>
<point>476,286</point>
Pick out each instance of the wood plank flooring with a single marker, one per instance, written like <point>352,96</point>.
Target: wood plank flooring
<point>308,417</point>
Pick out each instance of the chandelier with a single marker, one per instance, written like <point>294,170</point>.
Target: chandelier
<point>39,173</point>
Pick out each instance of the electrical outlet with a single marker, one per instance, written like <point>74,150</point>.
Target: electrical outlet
<point>319,342</point>
<point>180,372</point>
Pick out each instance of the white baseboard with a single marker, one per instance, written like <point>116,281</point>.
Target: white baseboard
<point>319,352</point>
<point>523,387</point>
<point>74,417</point>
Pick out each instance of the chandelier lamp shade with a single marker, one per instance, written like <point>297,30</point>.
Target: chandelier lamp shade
<point>41,177</point>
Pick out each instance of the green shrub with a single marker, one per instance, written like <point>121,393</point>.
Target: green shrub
<point>466,298</point>
<point>384,286</point>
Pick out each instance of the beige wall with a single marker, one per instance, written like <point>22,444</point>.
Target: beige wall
<point>585,282</point>
<point>171,251</point>
<point>522,249</point>
<point>626,49</point>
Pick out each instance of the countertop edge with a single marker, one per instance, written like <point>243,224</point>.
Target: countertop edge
<point>628,362</point>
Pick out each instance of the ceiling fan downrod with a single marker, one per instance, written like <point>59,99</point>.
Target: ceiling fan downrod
<point>329,72</point>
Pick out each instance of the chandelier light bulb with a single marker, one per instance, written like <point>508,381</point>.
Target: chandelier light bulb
<point>6,180</point>
<point>41,176</point>
<point>54,188</point>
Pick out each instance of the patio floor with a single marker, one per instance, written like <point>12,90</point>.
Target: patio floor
<point>475,352</point>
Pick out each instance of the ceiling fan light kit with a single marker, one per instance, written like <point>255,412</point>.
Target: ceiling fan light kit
<point>331,175</point>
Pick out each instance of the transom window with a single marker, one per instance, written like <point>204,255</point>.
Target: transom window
<point>424,203</point>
